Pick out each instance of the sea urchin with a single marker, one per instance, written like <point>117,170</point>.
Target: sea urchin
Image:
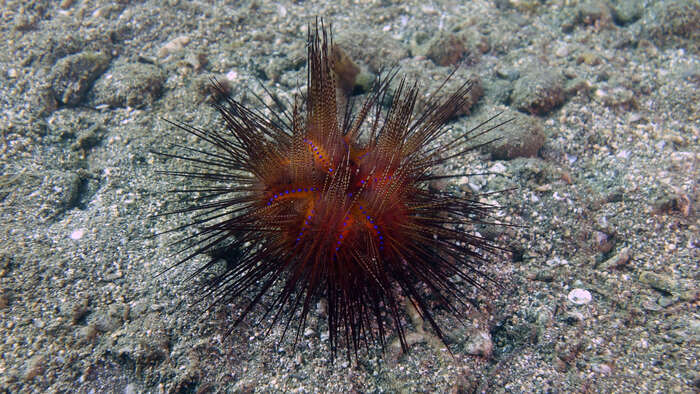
<point>316,203</point>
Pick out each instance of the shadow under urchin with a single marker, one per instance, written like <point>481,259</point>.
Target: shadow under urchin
<point>320,203</point>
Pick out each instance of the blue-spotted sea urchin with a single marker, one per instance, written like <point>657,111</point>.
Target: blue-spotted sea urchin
<point>315,203</point>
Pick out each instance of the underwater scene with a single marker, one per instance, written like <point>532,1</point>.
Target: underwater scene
<point>354,196</point>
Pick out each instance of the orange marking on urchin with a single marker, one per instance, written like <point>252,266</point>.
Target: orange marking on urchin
<point>321,156</point>
<point>305,208</point>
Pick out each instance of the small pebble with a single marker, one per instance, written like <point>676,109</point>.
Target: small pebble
<point>618,260</point>
<point>573,317</point>
<point>666,301</point>
<point>480,344</point>
<point>4,300</point>
<point>651,305</point>
<point>35,366</point>
<point>174,45</point>
<point>562,51</point>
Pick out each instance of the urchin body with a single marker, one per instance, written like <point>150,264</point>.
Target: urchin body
<point>314,204</point>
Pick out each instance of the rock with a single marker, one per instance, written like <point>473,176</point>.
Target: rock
<point>625,12</point>
<point>593,12</point>
<point>175,45</point>
<point>395,351</point>
<point>480,344</point>
<point>659,282</point>
<point>79,311</point>
<point>4,299</point>
<point>498,90</point>
<point>671,23</point>
<point>345,69</point>
<point>573,317</point>
<point>364,81</point>
<point>620,259</point>
<point>445,49</point>
<point>73,75</point>
<point>521,137</point>
<point>602,241</point>
<point>538,90</point>
<point>666,301</point>
<point>376,51</point>
<point>129,85</point>
<point>34,367</point>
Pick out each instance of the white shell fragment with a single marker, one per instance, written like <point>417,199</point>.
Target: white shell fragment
<point>77,234</point>
<point>580,296</point>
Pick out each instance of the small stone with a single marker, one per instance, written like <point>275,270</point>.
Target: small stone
<point>346,70</point>
<point>174,45</point>
<point>562,51</point>
<point>129,85</point>
<point>618,260</point>
<point>668,21</point>
<point>626,12</point>
<point>539,90</point>
<point>4,300</point>
<point>73,75</point>
<point>573,317</point>
<point>89,332</point>
<point>667,301</point>
<point>602,241</point>
<point>395,351</point>
<point>79,311</point>
<point>364,81</point>
<point>603,369</point>
<point>480,344</point>
<point>580,296</point>
<point>445,49</point>
<point>35,366</point>
<point>521,137</point>
<point>593,12</point>
<point>651,305</point>
<point>106,321</point>
<point>659,282</point>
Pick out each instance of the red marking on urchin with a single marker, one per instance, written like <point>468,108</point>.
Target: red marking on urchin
<point>310,209</point>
